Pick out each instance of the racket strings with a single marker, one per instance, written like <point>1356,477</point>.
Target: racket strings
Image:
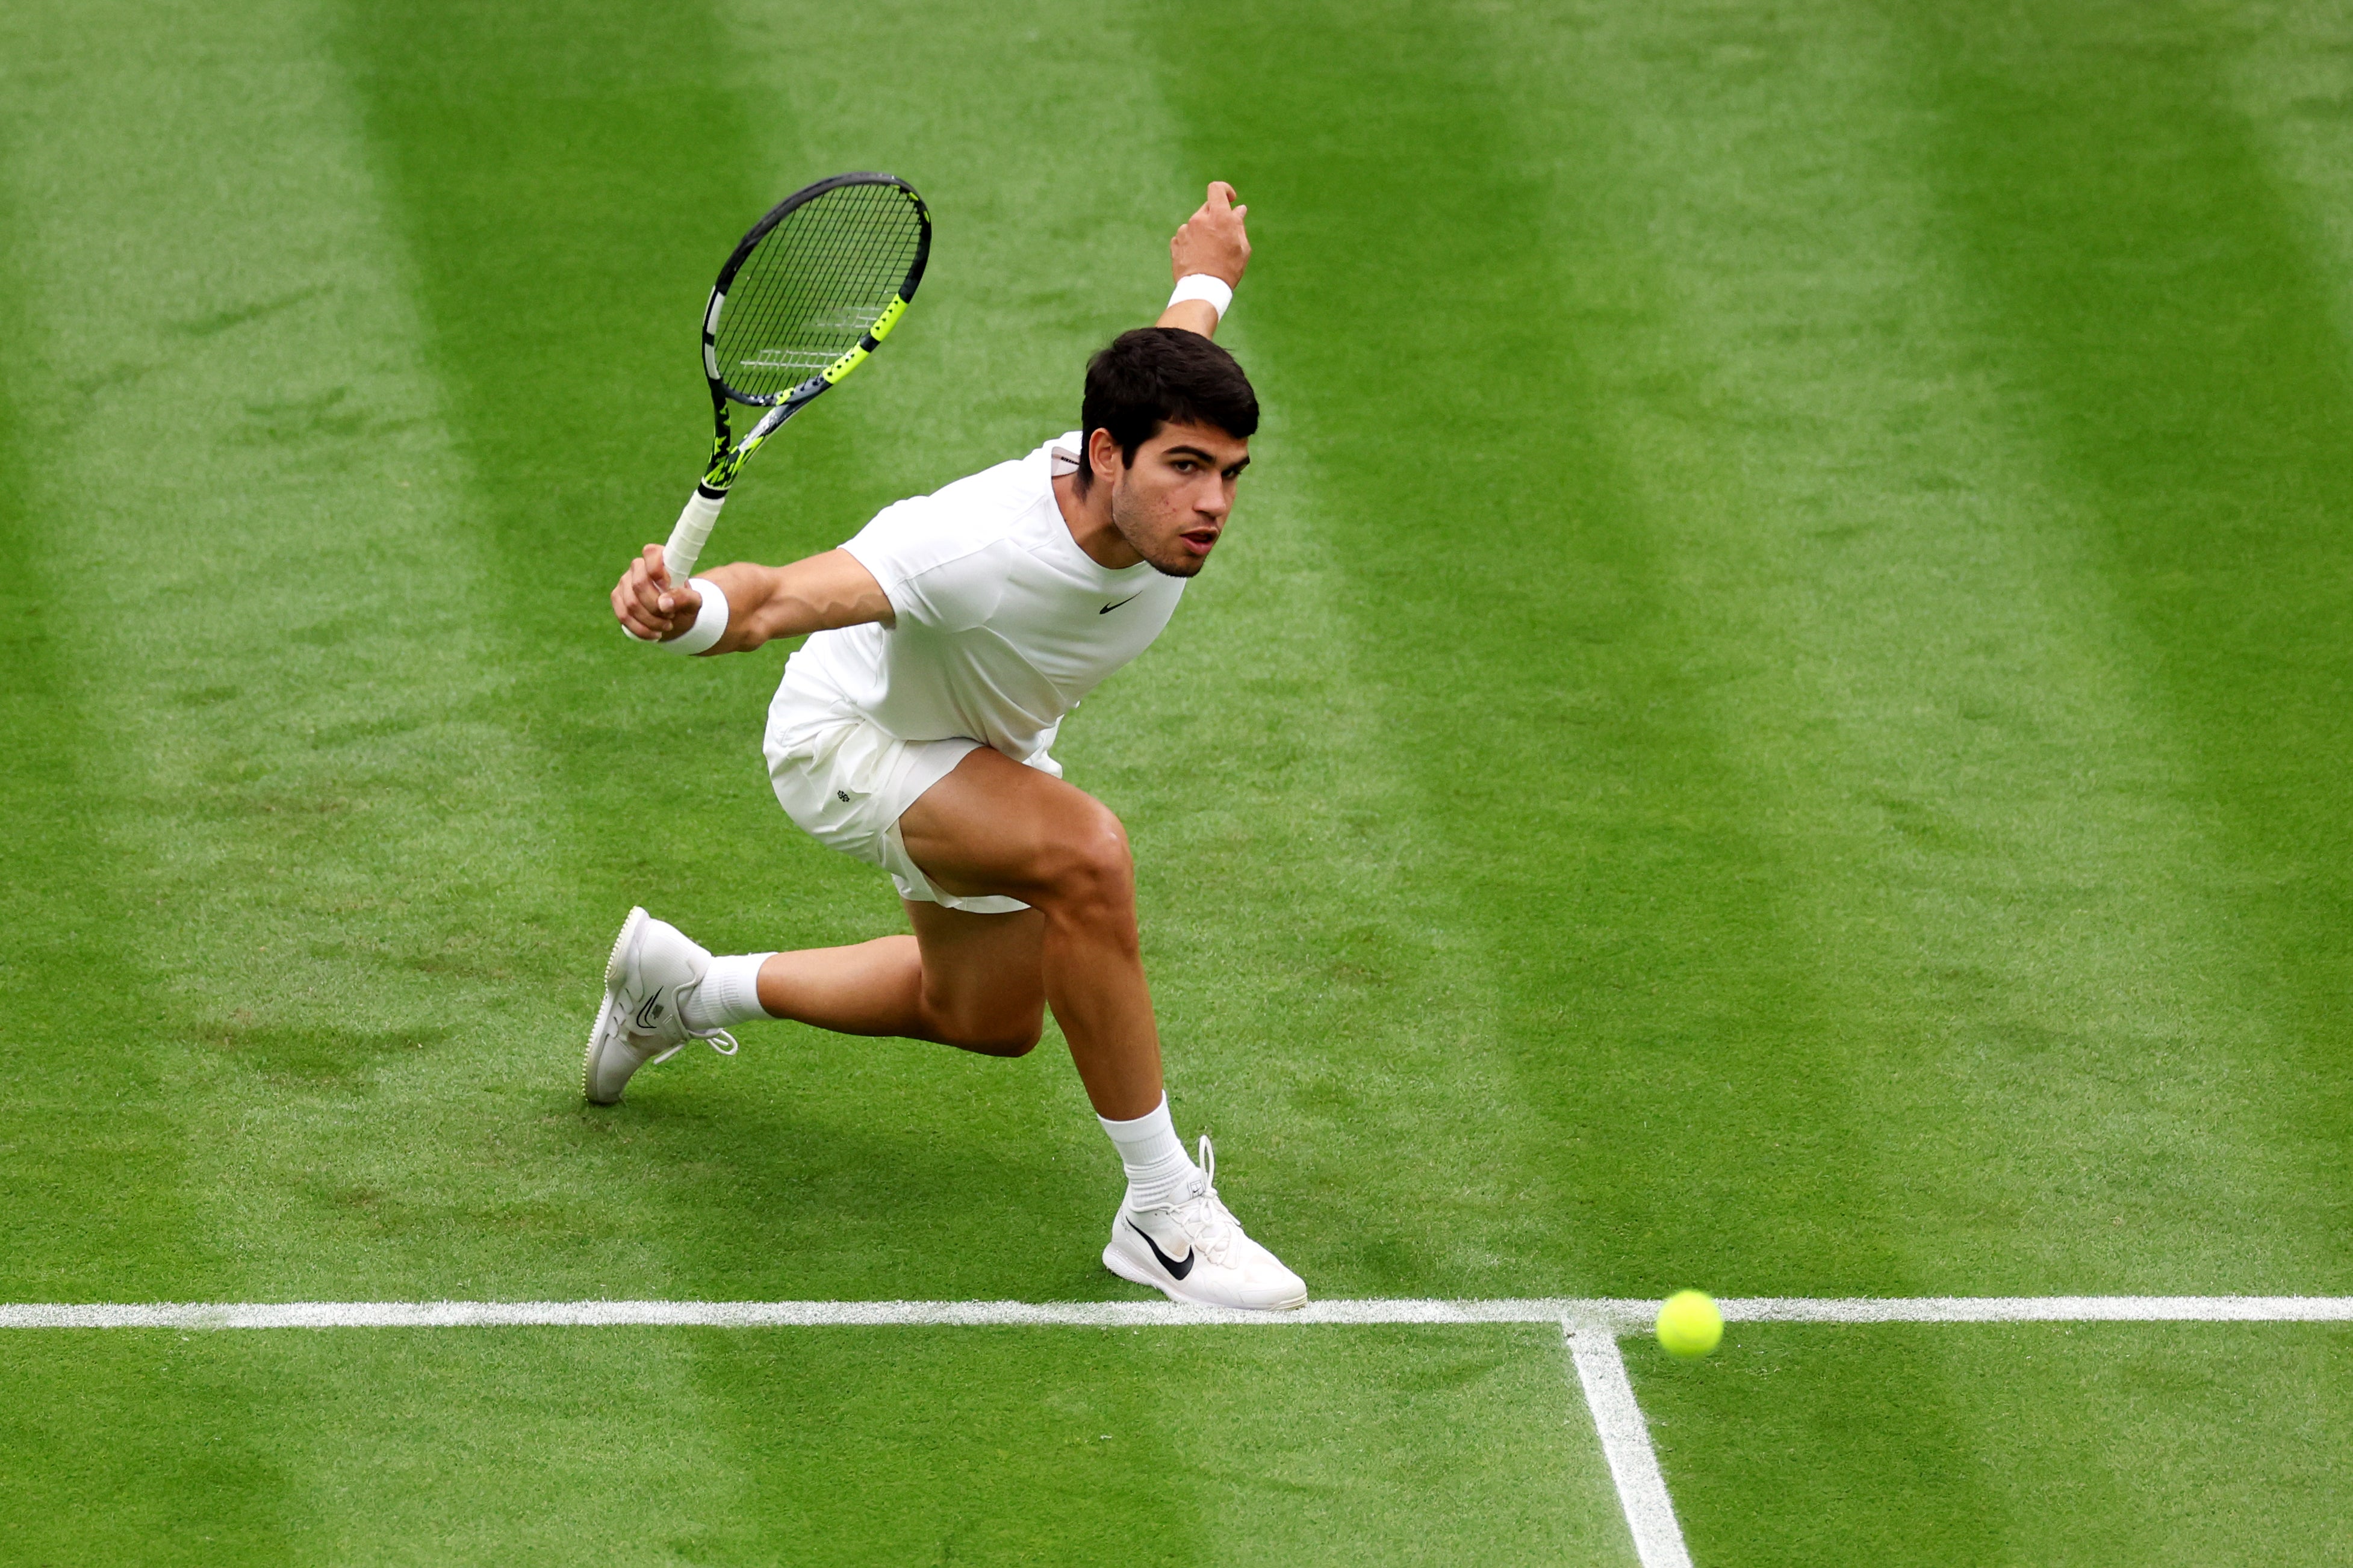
<point>814,285</point>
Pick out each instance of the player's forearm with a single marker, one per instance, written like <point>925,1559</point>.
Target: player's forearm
<point>1192,315</point>
<point>820,593</point>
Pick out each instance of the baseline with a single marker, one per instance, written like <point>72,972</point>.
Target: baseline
<point>1615,1314</point>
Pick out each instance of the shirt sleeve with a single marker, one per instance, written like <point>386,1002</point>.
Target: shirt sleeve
<point>935,573</point>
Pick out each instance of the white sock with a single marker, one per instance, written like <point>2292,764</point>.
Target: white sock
<point>730,994</point>
<point>1156,1166</point>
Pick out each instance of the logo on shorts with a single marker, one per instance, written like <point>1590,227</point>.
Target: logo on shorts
<point>843,795</point>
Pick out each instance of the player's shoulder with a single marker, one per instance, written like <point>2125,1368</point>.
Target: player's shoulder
<point>999,502</point>
<point>1000,505</point>
<point>1002,492</point>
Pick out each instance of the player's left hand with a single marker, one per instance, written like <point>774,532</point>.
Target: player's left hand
<point>1213,240</point>
<point>653,609</point>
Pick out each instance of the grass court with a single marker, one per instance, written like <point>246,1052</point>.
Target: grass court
<point>1776,715</point>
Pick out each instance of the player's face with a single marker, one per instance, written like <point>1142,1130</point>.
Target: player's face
<point>1171,503</point>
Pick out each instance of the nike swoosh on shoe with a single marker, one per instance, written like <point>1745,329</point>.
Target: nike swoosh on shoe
<point>1176,1268</point>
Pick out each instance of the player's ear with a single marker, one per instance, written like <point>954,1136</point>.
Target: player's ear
<point>1105,459</point>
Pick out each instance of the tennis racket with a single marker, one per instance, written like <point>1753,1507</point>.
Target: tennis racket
<point>808,296</point>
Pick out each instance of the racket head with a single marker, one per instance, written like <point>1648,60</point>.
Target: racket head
<point>814,288</point>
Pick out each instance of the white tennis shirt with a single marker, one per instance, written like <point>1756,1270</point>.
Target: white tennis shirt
<point>1002,622</point>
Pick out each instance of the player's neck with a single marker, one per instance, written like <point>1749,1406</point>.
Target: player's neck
<point>1088,517</point>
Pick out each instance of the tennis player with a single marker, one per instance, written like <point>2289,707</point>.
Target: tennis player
<point>947,642</point>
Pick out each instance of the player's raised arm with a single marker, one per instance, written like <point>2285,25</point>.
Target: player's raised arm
<point>1207,257</point>
<point>736,607</point>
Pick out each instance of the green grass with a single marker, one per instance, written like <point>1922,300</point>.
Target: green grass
<point>1773,718</point>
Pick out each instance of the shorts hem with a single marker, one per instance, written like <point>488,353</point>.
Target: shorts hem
<point>846,784</point>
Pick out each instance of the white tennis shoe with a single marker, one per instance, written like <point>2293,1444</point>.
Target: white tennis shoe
<point>1194,1250</point>
<point>654,967</point>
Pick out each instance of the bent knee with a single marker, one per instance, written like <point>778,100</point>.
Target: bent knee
<point>1094,863</point>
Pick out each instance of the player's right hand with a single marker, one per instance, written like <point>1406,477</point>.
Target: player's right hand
<point>648,605</point>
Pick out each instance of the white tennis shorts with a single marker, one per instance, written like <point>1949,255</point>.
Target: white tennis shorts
<point>844,780</point>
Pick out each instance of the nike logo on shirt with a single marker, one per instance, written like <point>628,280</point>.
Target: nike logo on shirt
<point>1107,609</point>
<point>1176,1270</point>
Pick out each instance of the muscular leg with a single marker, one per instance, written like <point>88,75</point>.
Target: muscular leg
<point>995,827</point>
<point>966,980</point>
<point>982,982</point>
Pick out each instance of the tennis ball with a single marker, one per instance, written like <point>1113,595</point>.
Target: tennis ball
<point>1689,1324</point>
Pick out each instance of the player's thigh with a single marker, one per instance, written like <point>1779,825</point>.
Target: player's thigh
<point>984,975</point>
<point>993,826</point>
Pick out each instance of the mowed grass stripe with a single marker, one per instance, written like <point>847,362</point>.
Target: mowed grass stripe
<point>93,1162</point>
<point>93,1158</point>
<point>327,836</point>
<point>289,682</point>
<point>2158,294</point>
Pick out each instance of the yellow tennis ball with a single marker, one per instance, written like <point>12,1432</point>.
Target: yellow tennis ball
<point>1689,1324</point>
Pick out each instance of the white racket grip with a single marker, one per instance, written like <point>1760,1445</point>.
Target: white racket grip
<point>693,530</point>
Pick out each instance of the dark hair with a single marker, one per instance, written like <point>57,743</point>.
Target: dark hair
<point>1161,375</point>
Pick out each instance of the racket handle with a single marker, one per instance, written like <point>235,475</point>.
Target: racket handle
<point>694,528</point>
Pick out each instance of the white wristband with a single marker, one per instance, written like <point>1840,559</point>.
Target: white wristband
<point>1214,292</point>
<point>710,623</point>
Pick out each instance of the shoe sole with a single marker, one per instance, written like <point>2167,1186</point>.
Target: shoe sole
<point>1116,1261</point>
<point>1133,1273</point>
<point>629,928</point>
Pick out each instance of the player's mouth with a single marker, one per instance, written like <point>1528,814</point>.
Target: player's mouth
<point>1197,542</point>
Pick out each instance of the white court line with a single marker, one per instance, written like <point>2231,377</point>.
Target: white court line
<point>1617,1314</point>
<point>1626,1444</point>
<point>770,1314</point>
<point>2039,1309</point>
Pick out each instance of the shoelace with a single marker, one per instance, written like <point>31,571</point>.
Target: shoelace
<point>1204,1214</point>
<point>708,1037</point>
